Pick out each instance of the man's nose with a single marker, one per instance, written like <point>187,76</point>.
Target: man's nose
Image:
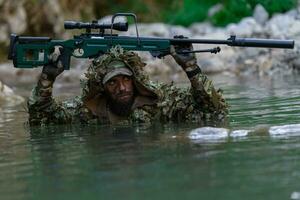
<point>122,87</point>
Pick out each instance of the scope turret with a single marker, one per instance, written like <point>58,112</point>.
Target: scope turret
<point>120,26</point>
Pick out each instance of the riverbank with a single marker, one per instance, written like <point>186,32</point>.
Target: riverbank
<point>231,60</point>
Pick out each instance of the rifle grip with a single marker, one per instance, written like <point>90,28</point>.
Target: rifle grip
<point>65,57</point>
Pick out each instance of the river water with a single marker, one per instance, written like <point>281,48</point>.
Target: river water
<point>256,157</point>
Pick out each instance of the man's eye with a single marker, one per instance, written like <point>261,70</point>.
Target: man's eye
<point>126,78</point>
<point>111,83</point>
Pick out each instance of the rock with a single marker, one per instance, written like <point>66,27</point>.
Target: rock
<point>8,96</point>
<point>202,28</point>
<point>294,29</point>
<point>17,19</point>
<point>53,12</point>
<point>107,19</point>
<point>282,26</point>
<point>293,13</point>
<point>46,17</point>
<point>153,29</point>
<point>215,9</point>
<point>13,19</point>
<point>260,14</point>
<point>291,59</point>
<point>4,33</point>
<point>296,64</point>
<point>246,28</point>
<point>179,30</point>
<point>9,74</point>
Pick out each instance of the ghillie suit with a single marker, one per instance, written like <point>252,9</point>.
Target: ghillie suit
<point>154,101</point>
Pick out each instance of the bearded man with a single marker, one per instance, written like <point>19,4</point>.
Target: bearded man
<point>116,90</point>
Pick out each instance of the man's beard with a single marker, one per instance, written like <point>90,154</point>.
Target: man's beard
<point>120,108</point>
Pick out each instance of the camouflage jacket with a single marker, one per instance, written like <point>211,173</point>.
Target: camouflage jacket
<point>155,102</point>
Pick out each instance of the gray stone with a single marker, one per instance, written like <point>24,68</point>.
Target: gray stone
<point>7,95</point>
<point>202,28</point>
<point>293,13</point>
<point>294,29</point>
<point>4,33</point>
<point>215,9</point>
<point>12,19</point>
<point>54,16</point>
<point>180,30</point>
<point>17,20</point>
<point>153,29</point>
<point>107,19</point>
<point>296,64</point>
<point>260,14</point>
<point>246,28</point>
<point>279,26</point>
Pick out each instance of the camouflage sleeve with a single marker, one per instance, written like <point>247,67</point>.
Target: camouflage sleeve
<point>199,103</point>
<point>206,96</point>
<point>43,109</point>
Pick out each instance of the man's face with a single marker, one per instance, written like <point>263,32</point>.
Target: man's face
<point>120,89</point>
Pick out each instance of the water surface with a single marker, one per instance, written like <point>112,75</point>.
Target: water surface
<point>256,157</point>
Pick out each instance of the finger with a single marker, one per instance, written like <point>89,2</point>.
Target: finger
<point>172,50</point>
<point>55,57</point>
<point>57,52</point>
<point>60,65</point>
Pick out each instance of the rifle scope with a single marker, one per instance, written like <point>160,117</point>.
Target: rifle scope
<point>120,26</point>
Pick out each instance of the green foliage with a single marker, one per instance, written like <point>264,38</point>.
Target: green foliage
<point>185,12</point>
<point>234,10</point>
<point>273,6</point>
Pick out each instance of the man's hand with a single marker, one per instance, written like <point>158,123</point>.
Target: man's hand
<point>185,60</point>
<point>55,67</point>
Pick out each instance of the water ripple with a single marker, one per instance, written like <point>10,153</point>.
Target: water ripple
<point>269,110</point>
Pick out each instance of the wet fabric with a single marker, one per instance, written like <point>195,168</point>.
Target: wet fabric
<point>155,102</point>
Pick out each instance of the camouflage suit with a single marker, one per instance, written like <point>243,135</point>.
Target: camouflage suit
<point>155,101</point>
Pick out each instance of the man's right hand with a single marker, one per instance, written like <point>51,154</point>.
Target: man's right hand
<point>55,67</point>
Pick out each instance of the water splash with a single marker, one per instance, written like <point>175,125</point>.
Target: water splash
<point>295,195</point>
<point>211,134</point>
<point>239,133</point>
<point>208,134</point>
<point>285,130</point>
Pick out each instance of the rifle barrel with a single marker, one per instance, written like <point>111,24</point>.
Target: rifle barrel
<point>240,42</point>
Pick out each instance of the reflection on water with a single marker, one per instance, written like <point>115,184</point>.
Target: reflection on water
<point>256,157</point>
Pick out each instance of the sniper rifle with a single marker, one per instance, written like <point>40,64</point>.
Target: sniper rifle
<point>31,52</point>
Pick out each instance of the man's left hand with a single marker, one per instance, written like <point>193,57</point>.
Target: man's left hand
<point>185,60</point>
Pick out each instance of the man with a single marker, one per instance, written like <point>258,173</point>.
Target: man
<point>117,90</point>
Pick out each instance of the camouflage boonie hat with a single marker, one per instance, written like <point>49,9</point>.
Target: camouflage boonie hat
<point>115,68</point>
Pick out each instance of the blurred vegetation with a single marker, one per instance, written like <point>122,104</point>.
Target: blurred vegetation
<point>45,17</point>
<point>234,10</point>
<point>185,12</point>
